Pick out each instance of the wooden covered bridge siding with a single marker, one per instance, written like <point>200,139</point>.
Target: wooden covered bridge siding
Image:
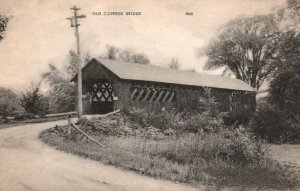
<point>149,95</point>
<point>102,86</point>
<point>237,102</point>
<point>155,96</point>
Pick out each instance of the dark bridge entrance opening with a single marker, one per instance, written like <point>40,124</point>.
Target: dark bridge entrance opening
<point>102,98</point>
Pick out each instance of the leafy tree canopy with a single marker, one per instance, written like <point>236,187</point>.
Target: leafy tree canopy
<point>72,66</point>
<point>115,53</point>
<point>3,25</point>
<point>62,94</point>
<point>247,47</point>
<point>289,16</point>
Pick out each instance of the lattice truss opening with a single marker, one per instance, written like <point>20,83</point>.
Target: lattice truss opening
<point>102,91</point>
<point>152,94</point>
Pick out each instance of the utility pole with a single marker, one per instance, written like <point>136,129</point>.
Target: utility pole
<point>74,23</point>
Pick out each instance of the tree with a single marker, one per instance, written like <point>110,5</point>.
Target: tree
<point>278,117</point>
<point>9,103</point>
<point>285,85</point>
<point>62,94</point>
<point>174,64</point>
<point>34,102</point>
<point>248,47</point>
<point>3,25</point>
<point>139,59</point>
<point>114,53</point>
<point>72,67</point>
<point>289,16</point>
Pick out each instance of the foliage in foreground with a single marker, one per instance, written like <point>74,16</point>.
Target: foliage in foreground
<point>190,147</point>
<point>231,146</point>
<point>209,160</point>
<point>194,148</point>
<point>207,119</point>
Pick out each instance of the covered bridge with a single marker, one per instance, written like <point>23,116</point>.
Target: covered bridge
<point>109,85</point>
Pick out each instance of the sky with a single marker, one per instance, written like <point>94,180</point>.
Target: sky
<point>39,33</point>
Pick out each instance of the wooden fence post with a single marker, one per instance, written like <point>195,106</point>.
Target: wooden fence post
<point>69,125</point>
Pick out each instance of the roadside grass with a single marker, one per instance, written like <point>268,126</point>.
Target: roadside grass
<point>287,154</point>
<point>175,159</point>
<point>15,123</point>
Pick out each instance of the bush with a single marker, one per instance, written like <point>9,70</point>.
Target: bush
<point>34,102</point>
<point>233,147</point>
<point>210,140</point>
<point>208,118</point>
<point>113,125</point>
<point>9,103</point>
<point>203,122</point>
<point>161,120</point>
<point>274,125</point>
<point>226,149</point>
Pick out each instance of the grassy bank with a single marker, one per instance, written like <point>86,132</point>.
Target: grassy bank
<point>176,158</point>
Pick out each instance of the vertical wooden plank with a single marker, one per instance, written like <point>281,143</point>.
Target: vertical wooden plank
<point>127,95</point>
<point>190,102</point>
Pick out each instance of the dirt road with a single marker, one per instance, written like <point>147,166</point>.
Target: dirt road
<point>28,164</point>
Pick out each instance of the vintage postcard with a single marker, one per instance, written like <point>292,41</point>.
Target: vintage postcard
<point>149,95</point>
